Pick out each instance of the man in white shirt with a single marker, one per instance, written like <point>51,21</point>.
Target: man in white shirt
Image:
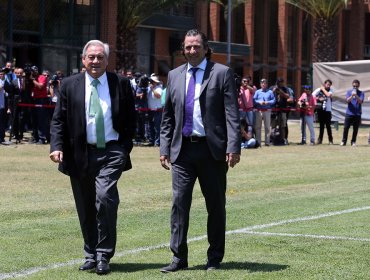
<point>155,109</point>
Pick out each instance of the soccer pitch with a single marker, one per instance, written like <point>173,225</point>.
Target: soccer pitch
<point>293,212</point>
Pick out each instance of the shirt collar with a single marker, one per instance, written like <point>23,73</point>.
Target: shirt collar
<point>201,65</point>
<point>102,79</point>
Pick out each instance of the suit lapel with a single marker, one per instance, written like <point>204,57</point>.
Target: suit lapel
<point>182,82</point>
<point>114,94</point>
<point>208,72</point>
<point>80,91</point>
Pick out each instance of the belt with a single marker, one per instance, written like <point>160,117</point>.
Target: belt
<point>194,139</point>
<point>107,144</point>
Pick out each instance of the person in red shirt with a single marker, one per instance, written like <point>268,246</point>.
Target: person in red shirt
<point>307,104</point>
<point>40,120</point>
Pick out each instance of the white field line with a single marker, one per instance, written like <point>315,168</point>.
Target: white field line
<point>308,236</point>
<point>247,230</point>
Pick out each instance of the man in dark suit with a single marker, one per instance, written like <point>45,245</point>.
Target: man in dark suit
<point>91,138</point>
<point>16,90</point>
<point>200,137</point>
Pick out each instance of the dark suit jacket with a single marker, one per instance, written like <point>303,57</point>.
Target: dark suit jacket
<point>68,126</point>
<point>219,110</point>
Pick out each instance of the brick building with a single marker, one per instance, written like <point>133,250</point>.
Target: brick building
<point>269,38</point>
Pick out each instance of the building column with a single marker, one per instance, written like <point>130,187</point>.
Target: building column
<point>249,36</point>
<point>265,47</point>
<point>282,39</point>
<point>357,23</point>
<point>108,29</point>
<point>202,16</point>
<point>214,22</point>
<point>298,62</point>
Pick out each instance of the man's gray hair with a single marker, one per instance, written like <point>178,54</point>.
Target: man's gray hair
<point>96,43</point>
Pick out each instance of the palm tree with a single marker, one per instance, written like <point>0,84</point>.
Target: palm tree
<point>324,13</point>
<point>130,14</point>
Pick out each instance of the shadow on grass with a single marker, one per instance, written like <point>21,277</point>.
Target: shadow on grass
<point>251,267</point>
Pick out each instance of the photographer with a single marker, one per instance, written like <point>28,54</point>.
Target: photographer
<point>17,94</point>
<point>2,105</point>
<point>323,97</point>
<point>39,114</point>
<point>141,107</point>
<point>155,109</point>
<point>307,104</point>
<point>282,95</point>
<point>355,98</point>
<point>9,74</point>
<point>245,100</point>
<point>54,86</point>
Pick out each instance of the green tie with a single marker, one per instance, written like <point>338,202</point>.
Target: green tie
<point>96,111</point>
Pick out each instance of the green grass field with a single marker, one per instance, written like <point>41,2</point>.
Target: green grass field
<point>294,212</point>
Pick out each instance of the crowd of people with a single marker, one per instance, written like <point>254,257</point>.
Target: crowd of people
<point>272,106</point>
<point>28,98</point>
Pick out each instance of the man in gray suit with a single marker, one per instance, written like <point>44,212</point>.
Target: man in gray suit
<point>91,139</point>
<point>200,137</point>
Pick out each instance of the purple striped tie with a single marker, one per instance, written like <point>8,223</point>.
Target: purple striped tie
<point>189,105</point>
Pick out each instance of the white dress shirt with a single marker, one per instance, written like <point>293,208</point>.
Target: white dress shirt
<point>198,127</point>
<point>105,103</point>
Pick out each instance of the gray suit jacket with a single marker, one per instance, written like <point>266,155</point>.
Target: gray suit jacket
<point>219,110</point>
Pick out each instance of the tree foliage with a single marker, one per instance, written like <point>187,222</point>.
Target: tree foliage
<point>327,9</point>
<point>324,37</point>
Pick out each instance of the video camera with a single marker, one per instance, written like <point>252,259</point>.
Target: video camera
<point>5,70</point>
<point>143,81</point>
<point>54,80</point>
<point>27,70</point>
<point>303,103</point>
<point>321,103</point>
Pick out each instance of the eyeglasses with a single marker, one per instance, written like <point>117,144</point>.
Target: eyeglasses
<point>92,57</point>
<point>245,81</point>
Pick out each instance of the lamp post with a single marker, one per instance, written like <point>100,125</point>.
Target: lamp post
<point>229,33</point>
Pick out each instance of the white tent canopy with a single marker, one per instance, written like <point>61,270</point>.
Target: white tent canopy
<point>342,74</point>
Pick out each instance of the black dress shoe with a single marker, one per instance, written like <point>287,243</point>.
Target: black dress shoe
<point>212,265</point>
<point>102,267</point>
<point>88,265</point>
<point>172,267</point>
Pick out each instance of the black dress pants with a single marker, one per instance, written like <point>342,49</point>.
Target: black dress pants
<point>355,122</point>
<point>325,121</point>
<point>96,197</point>
<point>196,162</point>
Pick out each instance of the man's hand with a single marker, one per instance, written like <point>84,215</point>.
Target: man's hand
<point>232,159</point>
<point>164,162</point>
<point>56,156</point>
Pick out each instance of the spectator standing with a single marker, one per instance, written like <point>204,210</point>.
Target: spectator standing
<point>354,97</point>
<point>282,95</point>
<point>264,101</point>
<point>141,87</point>
<point>9,73</point>
<point>307,104</point>
<point>200,136</point>
<point>2,106</point>
<point>245,100</point>
<point>91,139</point>
<point>17,95</point>
<point>155,109</point>
<point>40,97</point>
<point>323,97</point>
